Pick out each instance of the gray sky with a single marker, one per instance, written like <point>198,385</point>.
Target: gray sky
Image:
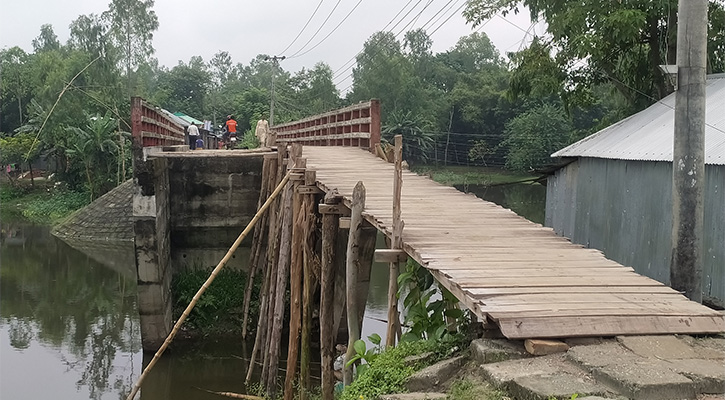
<point>247,28</point>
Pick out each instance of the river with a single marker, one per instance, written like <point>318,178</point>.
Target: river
<point>69,323</point>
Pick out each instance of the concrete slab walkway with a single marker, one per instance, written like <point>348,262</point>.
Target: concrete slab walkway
<point>633,367</point>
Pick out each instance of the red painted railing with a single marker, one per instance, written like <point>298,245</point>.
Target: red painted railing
<point>150,126</point>
<point>354,126</point>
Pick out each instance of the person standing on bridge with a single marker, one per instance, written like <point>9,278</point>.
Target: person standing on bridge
<point>193,136</point>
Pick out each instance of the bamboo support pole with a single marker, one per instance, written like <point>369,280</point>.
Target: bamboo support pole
<point>309,262</point>
<point>269,277</point>
<point>296,268</point>
<point>257,241</point>
<point>282,276</point>
<point>273,257</point>
<point>396,243</point>
<point>205,286</point>
<point>330,226</point>
<point>352,269</point>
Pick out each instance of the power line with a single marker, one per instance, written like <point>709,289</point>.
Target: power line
<point>303,28</point>
<point>318,29</point>
<point>331,32</point>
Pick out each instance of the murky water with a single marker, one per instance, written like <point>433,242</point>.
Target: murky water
<point>69,325</point>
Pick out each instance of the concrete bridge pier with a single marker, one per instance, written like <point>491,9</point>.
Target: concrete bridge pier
<point>152,230</point>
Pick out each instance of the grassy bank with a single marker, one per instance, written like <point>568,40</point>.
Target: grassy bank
<point>462,175</point>
<point>40,204</point>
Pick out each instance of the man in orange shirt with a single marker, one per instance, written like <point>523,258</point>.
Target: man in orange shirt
<point>231,130</point>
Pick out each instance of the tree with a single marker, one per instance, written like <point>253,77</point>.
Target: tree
<point>417,139</point>
<point>47,40</point>
<point>620,42</point>
<point>184,88</point>
<point>532,136</point>
<point>132,26</point>
<point>94,145</point>
<point>15,87</point>
<point>18,149</point>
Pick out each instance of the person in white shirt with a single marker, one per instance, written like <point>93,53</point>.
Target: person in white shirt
<point>193,135</point>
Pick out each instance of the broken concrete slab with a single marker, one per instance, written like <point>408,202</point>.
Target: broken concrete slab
<point>414,396</point>
<point>646,380</point>
<point>432,376</point>
<point>559,385</point>
<point>502,373</point>
<point>485,351</point>
<point>540,347</point>
<point>607,353</point>
<point>709,375</point>
<point>667,347</point>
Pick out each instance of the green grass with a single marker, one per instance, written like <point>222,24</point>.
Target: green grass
<point>462,175</point>
<point>41,204</point>
<point>220,308</point>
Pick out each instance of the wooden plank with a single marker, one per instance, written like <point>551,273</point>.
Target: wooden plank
<point>390,255</point>
<point>333,209</point>
<point>573,309</point>
<point>521,328</point>
<point>582,298</point>
<point>530,273</point>
<point>492,292</point>
<point>481,282</point>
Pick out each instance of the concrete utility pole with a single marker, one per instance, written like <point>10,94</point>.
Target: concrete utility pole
<point>275,62</point>
<point>688,157</point>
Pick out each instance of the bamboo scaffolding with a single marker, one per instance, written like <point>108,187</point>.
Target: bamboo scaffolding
<point>205,286</point>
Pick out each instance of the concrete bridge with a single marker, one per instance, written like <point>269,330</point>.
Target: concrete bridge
<point>518,278</point>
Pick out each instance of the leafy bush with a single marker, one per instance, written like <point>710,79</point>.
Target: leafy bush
<point>51,209</point>
<point>387,372</point>
<point>221,306</point>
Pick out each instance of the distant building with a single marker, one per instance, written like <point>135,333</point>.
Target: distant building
<point>616,194</point>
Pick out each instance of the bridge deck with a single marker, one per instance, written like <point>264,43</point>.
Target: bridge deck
<point>506,269</point>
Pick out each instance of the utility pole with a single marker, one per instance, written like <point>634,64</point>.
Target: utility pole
<point>275,63</point>
<point>688,156</point>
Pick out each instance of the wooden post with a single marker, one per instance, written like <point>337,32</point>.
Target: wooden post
<point>282,272</point>
<point>310,268</point>
<point>352,269</point>
<point>262,326</point>
<point>296,269</point>
<point>330,223</point>
<point>257,241</point>
<point>272,258</point>
<point>396,243</point>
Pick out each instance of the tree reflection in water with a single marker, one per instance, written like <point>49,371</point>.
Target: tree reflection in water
<point>53,296</point>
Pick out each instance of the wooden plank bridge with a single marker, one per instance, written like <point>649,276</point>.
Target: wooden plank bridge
<point>510,271</point>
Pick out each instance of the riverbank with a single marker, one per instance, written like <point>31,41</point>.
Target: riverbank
<point>454,175</point>
<point>41,203</point>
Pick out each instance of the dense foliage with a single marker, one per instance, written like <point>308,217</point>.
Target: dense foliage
<point>64,106</point>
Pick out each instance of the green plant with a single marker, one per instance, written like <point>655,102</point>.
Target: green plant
<point>388,372</point>
<point>249,140</point>
<point>51,209</point>
<point>221,306</point>
<point>466,389</point>
<point>427,319</point>
<point>363,353</point>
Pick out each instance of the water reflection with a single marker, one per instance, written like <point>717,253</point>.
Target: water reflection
<point>68,325</point>
<point>526,200</point>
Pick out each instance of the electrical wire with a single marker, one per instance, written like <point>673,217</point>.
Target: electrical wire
<point>303,28</point>
<point>318,29</point>
<point>331,32</point>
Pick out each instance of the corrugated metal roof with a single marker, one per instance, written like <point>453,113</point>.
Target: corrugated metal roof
<point>189,120</point>
<point>649,134</point>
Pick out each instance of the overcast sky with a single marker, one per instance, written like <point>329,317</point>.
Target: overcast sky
<point>246,28</point>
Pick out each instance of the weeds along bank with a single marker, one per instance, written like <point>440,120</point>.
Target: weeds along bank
<point>40,203</point>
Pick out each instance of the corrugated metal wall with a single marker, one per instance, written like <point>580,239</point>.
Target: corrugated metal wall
<point>624,208</point>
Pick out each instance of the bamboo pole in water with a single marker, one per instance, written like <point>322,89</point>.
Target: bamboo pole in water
<point>310,269</point>
<point>295,322</point>
<point>269,277</point>
<point>282,275</point>
<point>205,286</point>
<point>330,225</point>
<point>352,268</point>
<point>257,240</point>
<point>273,257</point>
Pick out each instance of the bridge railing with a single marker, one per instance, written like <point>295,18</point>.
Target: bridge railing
<point>354,126</point>
<point>150,126</point>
